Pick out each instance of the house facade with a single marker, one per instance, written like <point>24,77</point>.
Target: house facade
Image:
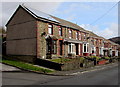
<point>39,35</point>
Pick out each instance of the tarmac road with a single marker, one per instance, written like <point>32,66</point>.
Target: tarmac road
<point>108,76</point>
<point>101,77</point>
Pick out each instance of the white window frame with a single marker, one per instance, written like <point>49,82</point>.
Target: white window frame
<point>116,53</point>
<point>70,44</point>
<point>50,29</point>
<point>70,33</point>
<point>101,51</point>
<point>79,49</point>
<point>60,31</point>
<point>84,36</point>
<point>87,48</point>
<point>79,36</point>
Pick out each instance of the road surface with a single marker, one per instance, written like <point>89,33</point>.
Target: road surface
<point>108,76</point>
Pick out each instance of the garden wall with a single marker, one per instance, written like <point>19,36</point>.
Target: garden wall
<point>70,65</point>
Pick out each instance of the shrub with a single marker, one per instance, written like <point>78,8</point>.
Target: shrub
<point>82,59</point>
<point>95,57</point>
<point>107,58</point>
<point>71,55</point>
<point>60,60</point>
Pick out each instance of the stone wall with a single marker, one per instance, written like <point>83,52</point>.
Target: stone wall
<point>71,65</point>
<point>41,42</point>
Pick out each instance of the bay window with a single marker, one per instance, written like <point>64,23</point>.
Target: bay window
<point>54,47</point>
<point>70,48</point>
<point>51,47</point>
<point>85,48</point>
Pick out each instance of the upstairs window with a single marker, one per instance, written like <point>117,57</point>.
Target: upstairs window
<point>96,41</point>
<point>100,42</point>
<point>60,31</point>
<point>70,33</point>
<point>77,35</point>
<point>84,36</point>
<point>50,29</point>
<point>92,41</point>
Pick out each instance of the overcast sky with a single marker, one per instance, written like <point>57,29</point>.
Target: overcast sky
<point>82,13</point>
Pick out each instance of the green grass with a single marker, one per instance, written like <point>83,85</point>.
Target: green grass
<point>27,66</point>
<point>60,60</point>
<point>107,58</point>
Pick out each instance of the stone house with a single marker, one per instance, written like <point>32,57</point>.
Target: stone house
<point>96,45</point>
<point>100,46</point>
<point>110,48</point>
<point>34,34</point>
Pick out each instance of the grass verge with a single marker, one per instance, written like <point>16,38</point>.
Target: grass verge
<point>27,66</point>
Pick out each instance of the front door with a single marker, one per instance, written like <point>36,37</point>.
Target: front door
<point>60,44</point>
<point>48,47</point>
<point>77,49</point>
<point>97,51</point>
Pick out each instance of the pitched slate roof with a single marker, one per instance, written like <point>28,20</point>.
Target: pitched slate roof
<point>41,15</point>
<point>46,17</point>
<point>68,24</point>
<point>109,41</point>
<point>93,34</point>
<point>38,14</point>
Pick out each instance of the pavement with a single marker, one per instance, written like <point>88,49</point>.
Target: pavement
<point>7,68</point>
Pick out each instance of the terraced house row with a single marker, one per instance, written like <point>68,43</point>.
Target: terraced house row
<point>34,34</point>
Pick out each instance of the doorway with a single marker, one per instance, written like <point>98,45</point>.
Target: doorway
<point>77,49</point>
<point>60,44</point>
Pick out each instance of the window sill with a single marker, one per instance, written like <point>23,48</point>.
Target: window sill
<point>85,52</point>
